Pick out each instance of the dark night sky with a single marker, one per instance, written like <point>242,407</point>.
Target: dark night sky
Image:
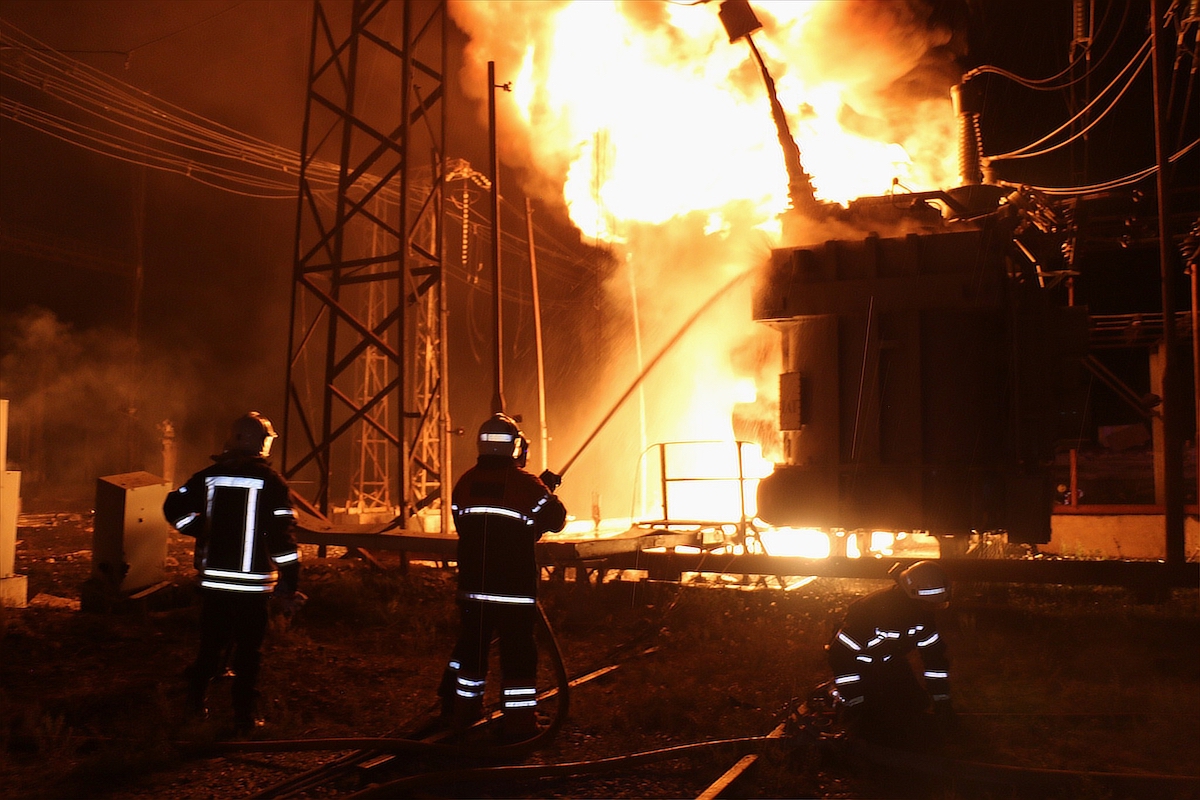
<point>213,319</point>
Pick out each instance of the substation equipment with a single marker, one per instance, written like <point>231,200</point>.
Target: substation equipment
<point>365,429</point>
<point>927,377</point>
<point>934,366</point>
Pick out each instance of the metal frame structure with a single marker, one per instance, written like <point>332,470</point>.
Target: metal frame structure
<point>365,427</point>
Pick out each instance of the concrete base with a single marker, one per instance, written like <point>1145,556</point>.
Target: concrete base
<point>1117,536</point>
<point>14,591</point>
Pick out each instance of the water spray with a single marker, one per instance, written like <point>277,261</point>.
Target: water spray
<point>556,478</point>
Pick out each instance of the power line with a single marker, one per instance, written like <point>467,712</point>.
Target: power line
<point>184,29</point>
<point>1049,84</point>
<point>1027,151</point>
<point>133,126</point>
<point>1106,186</point>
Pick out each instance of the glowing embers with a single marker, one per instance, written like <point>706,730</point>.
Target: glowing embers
<point>796,542</point>
<point>822,543</point>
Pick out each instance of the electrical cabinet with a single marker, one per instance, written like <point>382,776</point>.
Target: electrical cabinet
<point>129,542</point>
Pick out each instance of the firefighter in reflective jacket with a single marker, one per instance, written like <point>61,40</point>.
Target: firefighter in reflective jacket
<point>240,514</point>
<point>500,511</point>
<point>879,695</point>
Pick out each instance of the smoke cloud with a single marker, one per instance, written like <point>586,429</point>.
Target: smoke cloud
<point>87,403</point>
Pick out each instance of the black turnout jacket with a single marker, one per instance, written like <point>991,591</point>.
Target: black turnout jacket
<point>241,515</point>
<point>500,512</point>
<point>878,633</point>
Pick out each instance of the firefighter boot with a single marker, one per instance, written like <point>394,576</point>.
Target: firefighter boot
<point>467,711</point>
<point>196,707</point>
<point>246,718</point>
<point>519,724</point>
<point>445,693</point>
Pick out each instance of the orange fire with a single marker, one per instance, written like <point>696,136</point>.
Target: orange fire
<point>654,132</point>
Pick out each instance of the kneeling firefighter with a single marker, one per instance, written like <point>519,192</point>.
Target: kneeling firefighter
<point>878,694</point>
<point>500,512</point>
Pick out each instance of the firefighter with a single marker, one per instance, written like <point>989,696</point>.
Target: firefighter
<point>500,511</point>
<point>878,694</point>
<point>240,513</point>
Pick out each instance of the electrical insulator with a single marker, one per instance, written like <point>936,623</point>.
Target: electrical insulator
<point>1081,37</point>
<point>970,147</point>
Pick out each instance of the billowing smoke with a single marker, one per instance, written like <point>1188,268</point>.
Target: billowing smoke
<point>906,55</point>
<point>652,131</point>
<point>83,404</point>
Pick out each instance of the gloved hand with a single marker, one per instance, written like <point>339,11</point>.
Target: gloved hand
<point>848,714</point>
<point>291,602</point>
<point>551,480</point>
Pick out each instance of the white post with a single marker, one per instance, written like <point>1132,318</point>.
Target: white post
<point>14,589</point>
<point>537,338</point>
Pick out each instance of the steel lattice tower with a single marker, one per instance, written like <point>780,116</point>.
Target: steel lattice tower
<point>365,427</point>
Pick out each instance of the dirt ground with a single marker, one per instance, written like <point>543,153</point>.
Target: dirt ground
<point>1047,678</point>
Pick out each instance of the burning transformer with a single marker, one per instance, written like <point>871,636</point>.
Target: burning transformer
<point>926,374</point>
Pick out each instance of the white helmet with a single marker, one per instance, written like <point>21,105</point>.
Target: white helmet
<point>925,581</point>
<point>500,436</point>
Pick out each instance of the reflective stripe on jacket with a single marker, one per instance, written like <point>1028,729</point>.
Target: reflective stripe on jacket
<point>500,512</point>
<point>882,628</point>
<point>241,515</point>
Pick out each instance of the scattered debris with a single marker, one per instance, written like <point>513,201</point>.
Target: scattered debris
<point>43,600</point>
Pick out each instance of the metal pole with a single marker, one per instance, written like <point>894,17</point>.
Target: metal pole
<point>133,398</point>
<point>497,351</point>
<point>637,351</point>
<point>1192,269</point>
<point>537,337</point>
<point>1172,441</point>
<point>446,478</point>
<point>292,348</point>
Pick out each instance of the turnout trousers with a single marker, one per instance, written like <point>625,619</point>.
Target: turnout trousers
<point>227,617</point>
<point>513,625</point>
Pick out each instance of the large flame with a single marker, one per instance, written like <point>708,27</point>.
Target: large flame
<point>645,111</point>
<point>654,131</point>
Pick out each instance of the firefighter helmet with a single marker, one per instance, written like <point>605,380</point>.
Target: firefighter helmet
<point>499,435</point>
<point>251,433</point>
<point>925,581</point>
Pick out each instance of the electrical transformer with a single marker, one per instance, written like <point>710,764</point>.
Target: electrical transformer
<point>923,382</point>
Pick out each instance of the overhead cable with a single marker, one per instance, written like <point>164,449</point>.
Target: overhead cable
<point>1049,84</point>
<point>1106,186</point>
<point>1140,58</point>
<point>133,126</point>
<point>170,137</point>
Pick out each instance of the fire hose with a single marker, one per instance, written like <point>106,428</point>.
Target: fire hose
<point>386,744</point>
<point>811,723</point>
<point>556,477</point>
<point>401,786</point>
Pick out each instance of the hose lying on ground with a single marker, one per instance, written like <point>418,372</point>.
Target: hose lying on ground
<point>742,746</point>
<point>387,744</point>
